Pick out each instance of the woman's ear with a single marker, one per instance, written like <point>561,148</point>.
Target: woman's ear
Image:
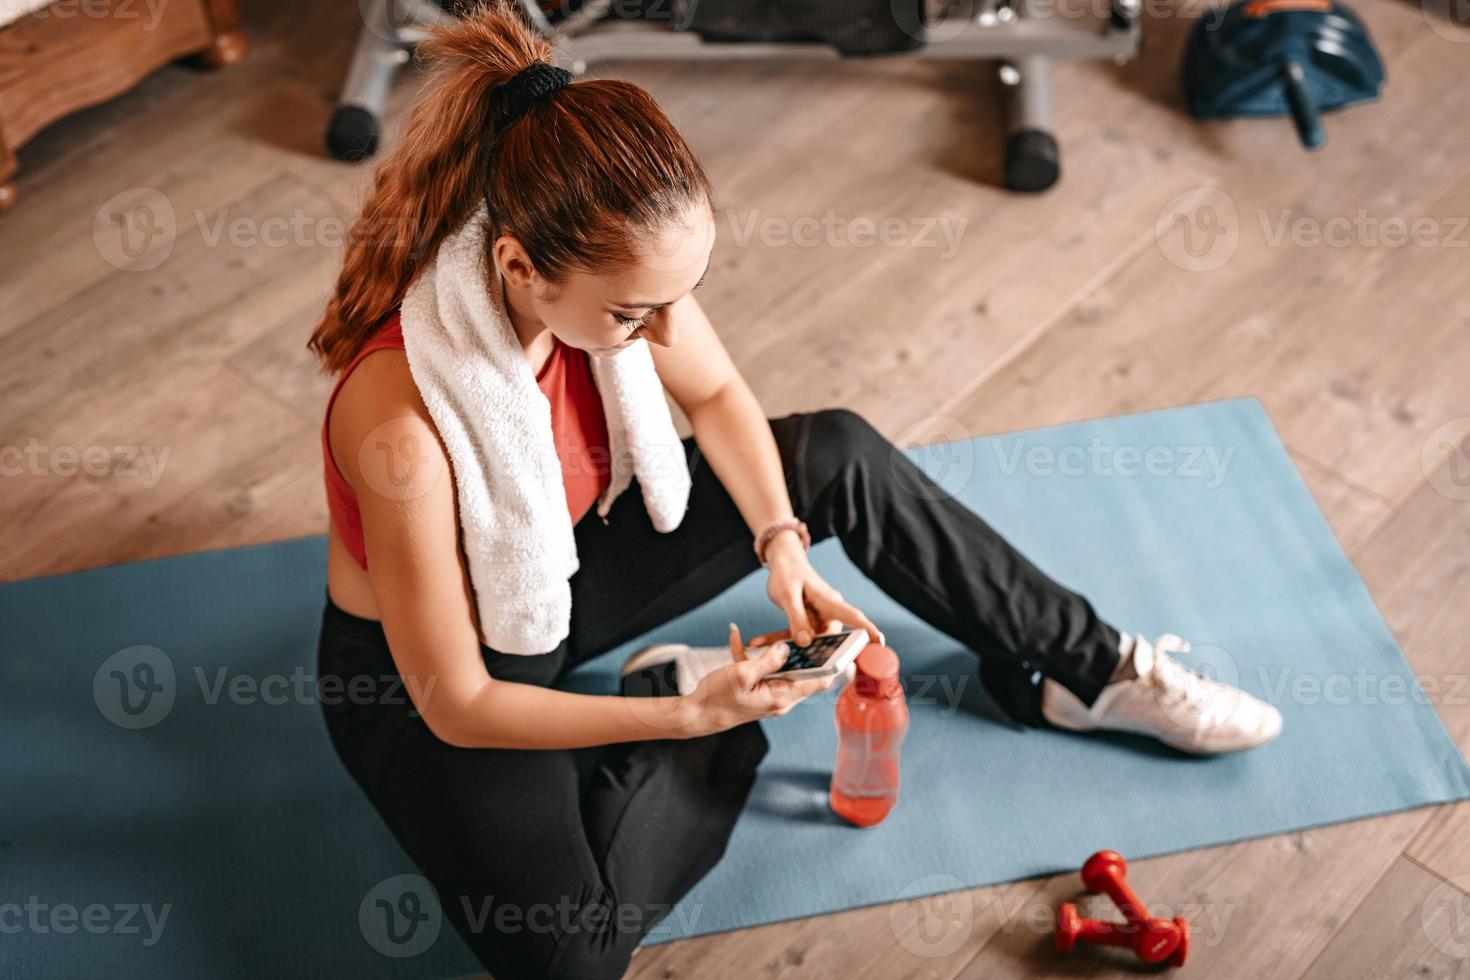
<point>515,266</point>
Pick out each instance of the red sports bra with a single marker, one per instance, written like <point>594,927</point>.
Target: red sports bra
<point>578,427</point>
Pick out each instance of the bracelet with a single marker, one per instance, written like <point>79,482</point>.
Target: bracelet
<point>776,527</point>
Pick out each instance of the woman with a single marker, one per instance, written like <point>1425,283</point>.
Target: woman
<point>598,226</point>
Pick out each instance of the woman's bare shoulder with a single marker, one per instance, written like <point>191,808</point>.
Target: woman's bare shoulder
<point>379,410</point>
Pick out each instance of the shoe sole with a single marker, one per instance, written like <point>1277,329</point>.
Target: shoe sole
<point>1187,749</point>
<point>648,656</point>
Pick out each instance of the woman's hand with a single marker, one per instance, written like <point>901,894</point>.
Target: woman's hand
<point>812,607</point>
<point>743,691</point>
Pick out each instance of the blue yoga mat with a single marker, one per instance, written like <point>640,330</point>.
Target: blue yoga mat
<point>172,806</point>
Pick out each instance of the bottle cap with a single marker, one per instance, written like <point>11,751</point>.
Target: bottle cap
<point>877,672</point>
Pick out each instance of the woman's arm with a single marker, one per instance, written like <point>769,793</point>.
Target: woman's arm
<point>391,454</point>
<point>734,435</point>
<point>728,421</point>
<point>410,527</point>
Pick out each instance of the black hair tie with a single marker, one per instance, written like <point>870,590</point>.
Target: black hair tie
<point>533,84</point>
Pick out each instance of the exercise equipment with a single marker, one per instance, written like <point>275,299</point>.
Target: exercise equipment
<point>1152,939</point>
<point>213,787</point>
<point>1023,36</point>
<point>1281,57</point>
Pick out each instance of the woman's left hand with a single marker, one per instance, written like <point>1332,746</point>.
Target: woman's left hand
<point>812,607</point>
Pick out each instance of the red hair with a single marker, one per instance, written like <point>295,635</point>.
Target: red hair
<point>576,180</point>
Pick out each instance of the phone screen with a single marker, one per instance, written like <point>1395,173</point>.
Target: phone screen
<point>815,653</point>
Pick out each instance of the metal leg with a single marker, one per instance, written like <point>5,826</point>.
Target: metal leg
<point>977,29</point>
<point>389,30</point>
<point>1033,159</point>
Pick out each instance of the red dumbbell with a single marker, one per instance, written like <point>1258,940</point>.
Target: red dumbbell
<point>1152,942</point>
<point>1152,939</point>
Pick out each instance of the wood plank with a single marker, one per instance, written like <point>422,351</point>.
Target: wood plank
<point>1415,567</point>
<point>1411,924</point>
<point>1428,540</point>
<point>1366,416</point>
<point>1244,902</point>
<point>869,326</point>
<point>928,938</point>
<point>1426,605</point>
<point>139,326</point>
<point>147,365</point>
<point>1355,515</point>
<point>1279,321</point>
<point>1443,845</point>
<point>186,469</point>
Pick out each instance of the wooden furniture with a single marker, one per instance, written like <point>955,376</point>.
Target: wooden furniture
<point>61,56</point>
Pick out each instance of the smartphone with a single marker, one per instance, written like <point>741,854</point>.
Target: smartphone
<point>824,656</point>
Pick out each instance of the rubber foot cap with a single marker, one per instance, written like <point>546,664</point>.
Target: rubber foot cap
<point>1033,160</point>
<point>353,134</point>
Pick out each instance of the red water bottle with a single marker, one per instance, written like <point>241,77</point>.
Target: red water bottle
<point>872,719</point>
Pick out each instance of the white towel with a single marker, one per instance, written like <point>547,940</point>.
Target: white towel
<point>477,384</point>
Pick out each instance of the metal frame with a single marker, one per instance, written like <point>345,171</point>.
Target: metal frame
<point>994,32</point>
<point>1013,32</point>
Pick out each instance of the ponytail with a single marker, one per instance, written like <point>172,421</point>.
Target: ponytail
<point>433,179</point>
<point>576,179</point>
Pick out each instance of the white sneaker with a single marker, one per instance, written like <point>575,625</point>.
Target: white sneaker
<point>1170,702</point>
<point>672,664</point>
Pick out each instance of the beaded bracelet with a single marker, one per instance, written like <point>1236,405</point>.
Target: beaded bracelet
<point>776,527</point>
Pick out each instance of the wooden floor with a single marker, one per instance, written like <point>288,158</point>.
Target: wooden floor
<point>1110,294</point>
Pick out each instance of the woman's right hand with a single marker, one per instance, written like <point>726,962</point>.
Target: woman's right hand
<point>743,690</point>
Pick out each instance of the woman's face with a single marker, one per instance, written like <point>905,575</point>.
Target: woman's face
<point>603,313</point>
